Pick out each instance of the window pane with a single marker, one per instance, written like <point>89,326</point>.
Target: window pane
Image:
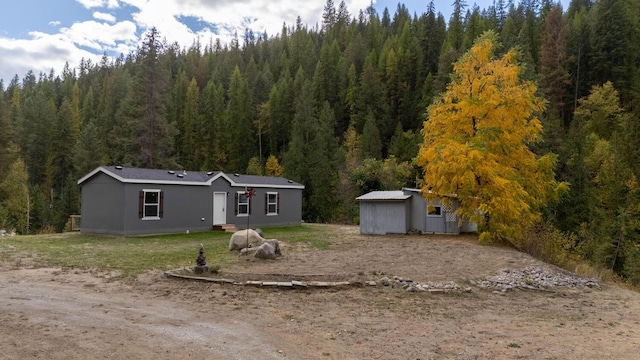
<point>273,198</point>
<point>150,210</point>
<point>151,197</point>
<point>243,209</point>
<point>435,210</point>
<point>272,208</point>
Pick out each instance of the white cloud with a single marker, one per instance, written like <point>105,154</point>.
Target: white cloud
<point>41,54</point>
<point>100,36</point>
<point>229,16</point>
<point>217,20</point>
<point>44,52</point>
<point>104,16</point>
<point>89,4</point>
<point>54,23</point>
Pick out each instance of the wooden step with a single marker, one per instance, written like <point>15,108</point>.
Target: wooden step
<point>226,228</point>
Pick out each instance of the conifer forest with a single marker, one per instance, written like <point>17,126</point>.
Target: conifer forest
<point>340,107</point>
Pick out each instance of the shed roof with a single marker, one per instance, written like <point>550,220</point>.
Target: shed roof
<point>384,196</point>
<point>181,177</point>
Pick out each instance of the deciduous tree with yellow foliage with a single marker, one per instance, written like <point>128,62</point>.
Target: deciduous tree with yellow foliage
<point>476,145</point>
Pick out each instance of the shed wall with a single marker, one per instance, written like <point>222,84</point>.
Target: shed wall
<point>384,217</point>
<point>418,210</point>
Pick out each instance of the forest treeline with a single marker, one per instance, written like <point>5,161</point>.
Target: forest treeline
<point>339,108</point>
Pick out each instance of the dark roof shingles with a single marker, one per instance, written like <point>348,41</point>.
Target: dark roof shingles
<point>194,176</point>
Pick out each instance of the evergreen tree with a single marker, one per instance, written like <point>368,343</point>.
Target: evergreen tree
<point>615,44</point>
<point>370,143</point>
<point>192,152</point>
<point>88,151</point>
<point>281,112</point>
<point>554,61</point>
<point>17,201</point>
<point>213,109</point>
<point>154,134</point>
<point>241,142</point>
<point>254,167</point>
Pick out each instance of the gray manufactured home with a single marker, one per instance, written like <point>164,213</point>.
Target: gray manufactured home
<point>402,211</point>
<point>128,201</point>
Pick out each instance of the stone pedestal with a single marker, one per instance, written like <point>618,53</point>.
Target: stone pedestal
<point>201,269</point>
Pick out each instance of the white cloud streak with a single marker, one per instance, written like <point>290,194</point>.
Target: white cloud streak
<point>90,4</point>
<point>104,16</point>
<point>215,20</point>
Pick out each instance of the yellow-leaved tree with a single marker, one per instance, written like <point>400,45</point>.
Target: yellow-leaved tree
<point>476,145</point>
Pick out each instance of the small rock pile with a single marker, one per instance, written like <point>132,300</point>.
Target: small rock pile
<point>410,286</point>
<point>534,278</point>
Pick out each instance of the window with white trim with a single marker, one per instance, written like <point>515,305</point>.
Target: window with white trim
<point>150,204</point>
<point>272,203</point>
<point>242,204</point>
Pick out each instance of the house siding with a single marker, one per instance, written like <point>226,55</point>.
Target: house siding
<point>110,206</point>
<point>289,212</point>
<point>103,198</point>
<point>183,209</point>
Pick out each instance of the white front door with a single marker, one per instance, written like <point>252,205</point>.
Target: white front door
<point>219,208</point>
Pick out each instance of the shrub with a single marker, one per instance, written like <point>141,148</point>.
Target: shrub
<point>551,245</point>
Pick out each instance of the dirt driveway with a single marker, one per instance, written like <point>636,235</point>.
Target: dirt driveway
<point>65,314</point>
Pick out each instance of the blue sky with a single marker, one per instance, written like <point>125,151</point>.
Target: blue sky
<point>41,35</point>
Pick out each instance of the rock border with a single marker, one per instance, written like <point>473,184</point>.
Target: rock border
<point>284,284</point>
<point>530,278</point>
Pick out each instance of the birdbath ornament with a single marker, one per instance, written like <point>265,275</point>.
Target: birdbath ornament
<point>201,262</point>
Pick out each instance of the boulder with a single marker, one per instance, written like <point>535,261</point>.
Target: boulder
<point>270,249</point>
<point>244,238</point>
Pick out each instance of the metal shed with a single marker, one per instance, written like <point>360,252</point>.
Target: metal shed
<point>385,212</point>
<point>399,211</point>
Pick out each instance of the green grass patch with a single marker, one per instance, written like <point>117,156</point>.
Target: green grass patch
<point>315,236</point>
<point>137,254</point>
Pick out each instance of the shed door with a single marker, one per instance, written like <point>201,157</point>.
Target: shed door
<point>219,208</point>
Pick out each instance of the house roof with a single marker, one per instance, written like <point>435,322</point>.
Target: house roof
<point>384,196</point>
<point>180,177</point>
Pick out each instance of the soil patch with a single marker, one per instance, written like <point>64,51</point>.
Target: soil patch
<point>56,313</point>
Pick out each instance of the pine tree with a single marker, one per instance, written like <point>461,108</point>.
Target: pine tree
<point>254,167</point>
<point>323,165</point>
<point>554,61</point>
<point>153,133</point>
<point>192,152</point>
<point>241,144</point>
<point>8,147</point>
<point>213,109</point>
<point>281,112</point>
<point>17,202</point>
<point>370,143</point>
<point>88,151</point>
<point>615,45</point>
